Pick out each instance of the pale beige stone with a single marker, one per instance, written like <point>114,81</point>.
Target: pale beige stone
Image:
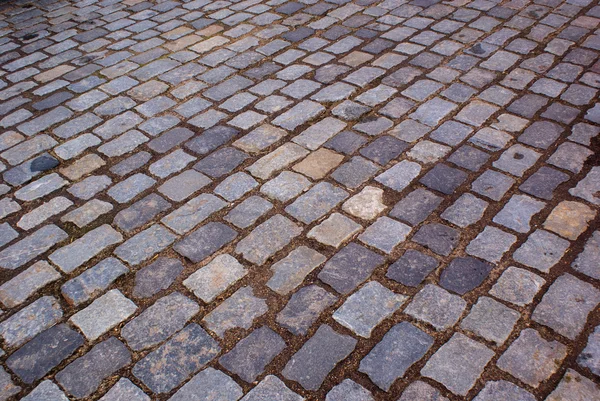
<point>335,230</point>
<point>367,204</point>
<point>83,166</point>
<point>356,58</point>
<point>319,163</point>
<point>569,219</point>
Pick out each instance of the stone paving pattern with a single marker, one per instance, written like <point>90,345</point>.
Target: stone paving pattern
<point>286,200</point>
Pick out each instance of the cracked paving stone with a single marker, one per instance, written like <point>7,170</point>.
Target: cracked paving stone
<point>252,354</point>
<point>173,362</point>
<point>532,359</point>
<point>159,321</point>
<point>401,347</point>
<point>237,311</point>
<point>318,356</point>
<point>460,349</point>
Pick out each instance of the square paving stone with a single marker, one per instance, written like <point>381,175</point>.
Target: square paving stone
<point>491,320</point>
<point>355,172</point>
<point>252,354</point>
<point>460,350</point>
<point>464,274</point>
<point>346,142</point>
<point>465,211</point>
<point>203,242</point>
<point>193,212</point>
<point>541,134</point>
<point>492,184</point>
<point>542,250</point>
<point>211,280</point>
<point>491,244</point>
<point>385,234</point>
<point>384,149</point>
<point>420,390</point>
<point>516,160</point>
<point>319,163</point>
<point>209,384</point>
<point>289,272</point>
<point>569,219</point>
<point>400,175</point>
<point>412,268</point>
<point>334,230</point>
<point>517,286</point>
<point>349,390</point>
<point>566,306</point>
<point>436,306</point>
<point>237,311</point>
<point>182,186</point>
<point>235,186</point>
<point>532,359</point>
<point>439,238</point>
<point>36,317</point>
<point>317,357</point>
<point>368,307</point>
<point>246,213</point>
<point>173,362</point>
<point>401,347</point>
<point>576,387</point>
<point>304,308</point>
<point>416,206</point>
<point>46,390</point>
<point>590,356</point>
<point>141,212</point>
<point>155,277</point>
<point>443,178</point>
<point>469,157</point>
<point>544,182</point>
<point>348,268</point>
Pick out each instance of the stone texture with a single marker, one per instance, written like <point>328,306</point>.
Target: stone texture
<point>239,310</point>
<point>268,238</point>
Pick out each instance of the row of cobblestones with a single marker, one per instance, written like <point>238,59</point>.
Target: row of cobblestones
<point>262,200</point>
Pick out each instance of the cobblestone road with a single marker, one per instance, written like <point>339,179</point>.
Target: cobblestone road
<point>300,200</point>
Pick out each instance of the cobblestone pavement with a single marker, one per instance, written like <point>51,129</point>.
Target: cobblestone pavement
<point>300,200</point>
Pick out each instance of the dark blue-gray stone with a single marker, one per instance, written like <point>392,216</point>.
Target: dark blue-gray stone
<point>156,277</point>
<point>43,163</point>
<point>48,349</point>
<point>464,274</point>
<point>439,238</point>
<point>399,349</point>
<point>206,240</point>
<point>412,268</point>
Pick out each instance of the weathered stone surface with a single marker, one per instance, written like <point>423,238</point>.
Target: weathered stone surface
<point>47,350</point>
<point>569,219</point>
<point>491,320</point>
<point>125,390</point>
<point>155,277</point>
<point>271,388</point>
<point>503,390</point>
<point>436,306</point>
<point>335,230</point>
<point>532,359</point>
<point>348,268</point>
<point>103,314</point>
<point>38,316</point>
<point>367,204</point>
<point>421,391</point>
<point>268,238</point>
<point>30,247</point>
<point>173,362</point>
<point>588,261</point>
<point>100,362</point>
<point>517,286</point>
<point>349,390</point>
<point>566,305</point>
<point>252,354</point>
<point>211,280</point>
<point>399,349</point>
<point>159,321</point>
<point>8,388</point>
<point>210,384</point>
<point>141,212</point>
<point>46,390</point>
<point>239,310</point>
<point>192,213</point>
<point>590,356</point>
<point>412,268</point>
<point>93,281</point>
<point>368,307</point>
<point>575,387</point>
<point>73,255</point>
<point>15,291</point>
<point>317,357</point>
<point>145,244</point>
<point>460,350</point>
<point>290,272</point>
<point>315,203</point>
<point>542,250</point>
<point>464,274</point>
